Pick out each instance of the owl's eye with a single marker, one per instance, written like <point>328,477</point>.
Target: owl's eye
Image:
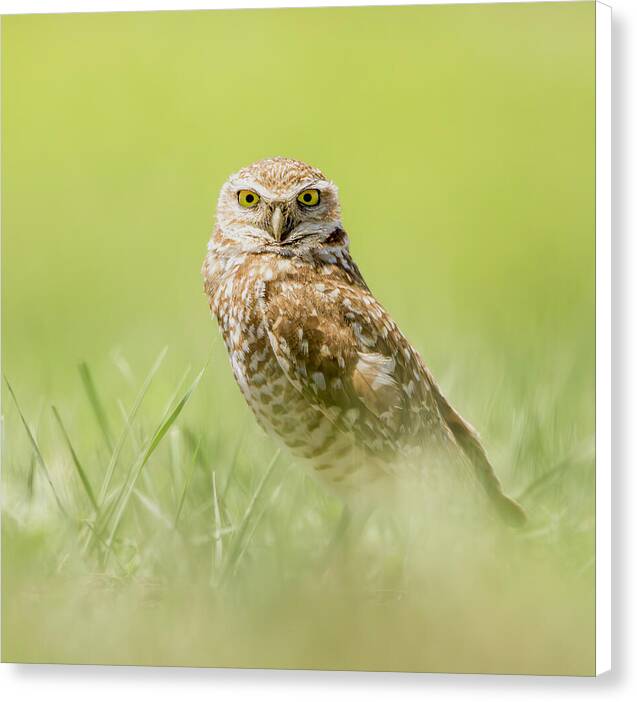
<point>248,198</point>
<point>309,198</point>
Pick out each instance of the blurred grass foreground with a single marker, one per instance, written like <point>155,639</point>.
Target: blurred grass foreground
<point>145,518</point>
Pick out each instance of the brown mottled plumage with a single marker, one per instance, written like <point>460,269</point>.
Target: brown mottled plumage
<point>318,359</point>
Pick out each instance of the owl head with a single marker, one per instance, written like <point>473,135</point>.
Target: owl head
<point>279,203</point>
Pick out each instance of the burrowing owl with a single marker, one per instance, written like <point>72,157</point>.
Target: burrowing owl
<point>318,359</point>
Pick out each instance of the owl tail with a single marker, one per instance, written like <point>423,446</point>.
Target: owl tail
<point>507,508</point>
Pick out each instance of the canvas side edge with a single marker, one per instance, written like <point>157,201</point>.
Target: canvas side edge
<point>603,446</point>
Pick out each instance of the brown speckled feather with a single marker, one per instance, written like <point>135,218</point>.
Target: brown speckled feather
<point>342,351</point>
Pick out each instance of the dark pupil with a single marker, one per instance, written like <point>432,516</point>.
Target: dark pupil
<point>249,197</point>
<point>307,197</point>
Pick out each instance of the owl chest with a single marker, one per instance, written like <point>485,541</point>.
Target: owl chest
<point>274,400</point>
<point>277,404</point>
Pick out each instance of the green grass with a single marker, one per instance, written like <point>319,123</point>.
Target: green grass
<point>207,548</point>
<point>145,517</point>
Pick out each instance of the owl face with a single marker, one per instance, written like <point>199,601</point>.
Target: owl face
<point>278,203</point>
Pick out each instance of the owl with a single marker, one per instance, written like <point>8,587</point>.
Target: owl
<point>320,362</point>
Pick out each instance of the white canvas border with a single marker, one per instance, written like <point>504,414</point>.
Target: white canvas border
<point>603,260</point>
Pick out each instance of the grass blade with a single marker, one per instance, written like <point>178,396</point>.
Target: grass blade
<point>193,466</point>
<point>171,401</point>
<point>218,538</point>
<point>76,461</point>
<point>153,508</point>
<point>233,463</point>
<point>237,543</point>
<point>94,400</point>
<point>576,460</point>
<point>164,426</point>
<point>36,448</point>
<point>169,421</point>
<point>255,524</point>
<point>127,426</point>
<point>107,510</point>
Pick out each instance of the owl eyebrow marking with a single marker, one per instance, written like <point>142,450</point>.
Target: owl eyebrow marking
<point>250,185</point>
<point>319,185</point>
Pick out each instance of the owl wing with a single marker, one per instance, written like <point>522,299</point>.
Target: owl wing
<point>342,351</point>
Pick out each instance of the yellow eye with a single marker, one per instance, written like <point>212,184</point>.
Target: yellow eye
<point>248,198</point>
<point>309,198</point>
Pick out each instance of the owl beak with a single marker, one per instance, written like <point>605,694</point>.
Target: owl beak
<point>277,224</point>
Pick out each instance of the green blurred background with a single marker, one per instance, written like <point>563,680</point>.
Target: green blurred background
<point>462,140</point>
